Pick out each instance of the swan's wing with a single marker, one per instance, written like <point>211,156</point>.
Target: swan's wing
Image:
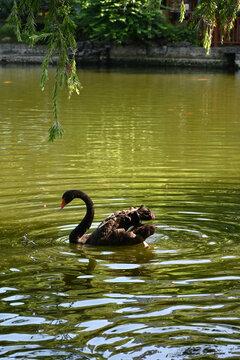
<point>121,219</point>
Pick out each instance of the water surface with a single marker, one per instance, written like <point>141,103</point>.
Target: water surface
<point>166,140</point>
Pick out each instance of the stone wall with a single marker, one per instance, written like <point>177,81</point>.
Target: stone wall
<point>21,53</point>
<point>180,54</point>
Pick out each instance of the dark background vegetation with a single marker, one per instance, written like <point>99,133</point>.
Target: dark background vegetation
<point>108,21</point>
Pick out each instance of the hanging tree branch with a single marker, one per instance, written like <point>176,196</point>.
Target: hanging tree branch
<point>59,31</point>
<point>208,12</point>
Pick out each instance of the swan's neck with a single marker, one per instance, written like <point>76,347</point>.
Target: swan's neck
<point>86,222</point>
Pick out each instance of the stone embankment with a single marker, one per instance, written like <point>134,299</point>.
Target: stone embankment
<point>178,55</point>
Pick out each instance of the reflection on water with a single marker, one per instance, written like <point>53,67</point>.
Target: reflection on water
<point>166,140</point>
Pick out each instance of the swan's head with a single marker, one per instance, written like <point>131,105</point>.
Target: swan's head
<point>67,197</point>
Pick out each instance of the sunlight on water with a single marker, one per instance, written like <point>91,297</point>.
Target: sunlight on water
<point>166,140</point>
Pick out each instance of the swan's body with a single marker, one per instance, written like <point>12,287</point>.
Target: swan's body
<point>121,228</point>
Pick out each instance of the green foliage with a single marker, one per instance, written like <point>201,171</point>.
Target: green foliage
<point>117,21</point>
<point>182,32</point>
<point>7,32</point>
<point>111,21</point>
<point>59,31</point>
<point>5,8</point>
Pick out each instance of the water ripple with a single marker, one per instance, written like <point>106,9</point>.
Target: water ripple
<point>173,145</point>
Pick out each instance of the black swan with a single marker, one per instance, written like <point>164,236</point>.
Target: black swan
<point>122,228</point>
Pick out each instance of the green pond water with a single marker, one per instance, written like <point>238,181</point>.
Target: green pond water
<point>168,140</point>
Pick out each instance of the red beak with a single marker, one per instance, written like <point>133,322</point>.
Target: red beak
<point>63,204</point>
